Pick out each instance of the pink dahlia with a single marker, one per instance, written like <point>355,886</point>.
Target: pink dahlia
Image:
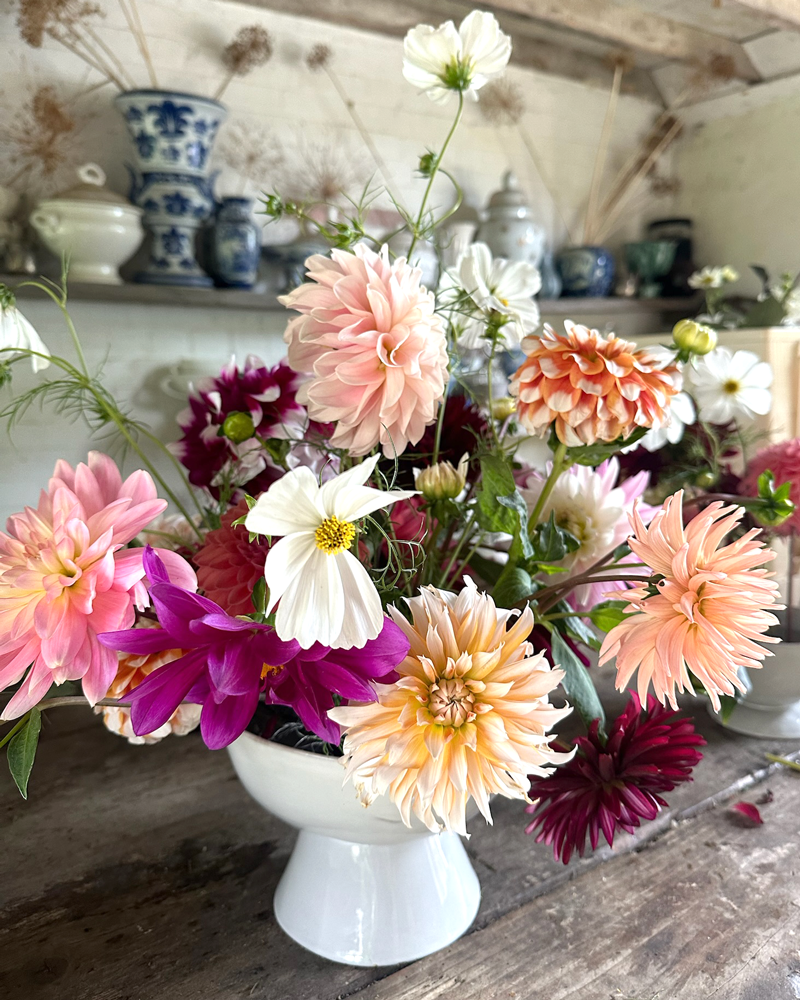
<point>65,577</point>
<point>260,401</point>
<point>589,387</point>
<point>704,612</point>
<point>783,460</point>
<point>229,565</point>
<point>374,347</point>
<point>614,784</point>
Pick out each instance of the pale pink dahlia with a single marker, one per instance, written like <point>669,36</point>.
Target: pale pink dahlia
<point>704,612</point>
<point>375,349</point>
<point>65,577</point>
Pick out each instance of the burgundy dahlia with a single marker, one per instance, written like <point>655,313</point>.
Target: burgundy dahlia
<point>258,402</point>
<point>229,565</point>
<point>614,785</point>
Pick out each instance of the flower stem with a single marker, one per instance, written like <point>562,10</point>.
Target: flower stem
<point>457,551</point>
<point>434,171</point>
<point>560,465</point>
<point>490,393</point>
<point>14,730</point>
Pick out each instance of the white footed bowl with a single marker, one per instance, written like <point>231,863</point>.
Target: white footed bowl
<point>360,887</point>
<point>771,706</point>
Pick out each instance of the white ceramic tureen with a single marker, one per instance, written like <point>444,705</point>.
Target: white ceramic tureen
<point>96,228</point>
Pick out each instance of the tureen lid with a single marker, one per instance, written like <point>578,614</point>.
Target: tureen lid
<point>92,187</point>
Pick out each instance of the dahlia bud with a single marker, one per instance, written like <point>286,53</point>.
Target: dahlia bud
<point>694,338</point>
<point>238,427</point>
<point>504,408</point>
<point>442,481</point>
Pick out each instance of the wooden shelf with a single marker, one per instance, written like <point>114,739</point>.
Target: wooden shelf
<point>234,298</point>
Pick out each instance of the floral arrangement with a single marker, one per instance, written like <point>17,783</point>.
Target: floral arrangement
<point>360,562</point>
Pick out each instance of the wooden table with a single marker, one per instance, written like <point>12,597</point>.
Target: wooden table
<point>146,873</point>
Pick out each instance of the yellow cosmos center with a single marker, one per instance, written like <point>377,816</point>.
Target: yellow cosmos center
<point>451,702</point>
<point>504,301</point>
<point>269,668</point>
<point>334,536</point>
<point>732,386</point>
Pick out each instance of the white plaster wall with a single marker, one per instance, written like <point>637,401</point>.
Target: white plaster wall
<point>139,343</point>
<point>739,168</point>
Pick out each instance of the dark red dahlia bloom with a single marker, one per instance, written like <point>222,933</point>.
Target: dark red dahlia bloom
<point>229,565</point>
<point>267,395</point>
<point>616,785</point>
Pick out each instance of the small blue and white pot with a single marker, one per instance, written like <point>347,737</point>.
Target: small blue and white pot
<point>586,272</point>
<point>236,244</point>
<point>173,135</point>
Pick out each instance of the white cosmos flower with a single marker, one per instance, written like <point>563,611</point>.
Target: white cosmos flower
<point>16,333</point>
<point>442,60</point>
<point>325,593</point>
<point>730,386</point>
<point>713,277</point>
<point>497,286</point>
<point>682,413</point>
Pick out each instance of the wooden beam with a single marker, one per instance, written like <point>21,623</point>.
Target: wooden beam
<point>395,17</point>
<point>637,29</point>
<point>778,13</point>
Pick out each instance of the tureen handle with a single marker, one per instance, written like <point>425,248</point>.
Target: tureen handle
<point>91,173</point>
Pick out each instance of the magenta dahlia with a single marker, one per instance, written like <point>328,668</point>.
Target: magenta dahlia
<point>614,784</point>
<point>226,417</point>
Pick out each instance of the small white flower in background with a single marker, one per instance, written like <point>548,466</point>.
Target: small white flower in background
<point>325,593</point>
<point>713,277</point>
<point>442,60</point>
<point>16,333</point>
<point>497,286</point>
<point>681,409</point>
<point>791,306</point>
<point>729,386</point>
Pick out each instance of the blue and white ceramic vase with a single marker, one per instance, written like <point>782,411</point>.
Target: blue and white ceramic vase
<point>586,272</point>
<point>236,244</point>
<point>173,135</point>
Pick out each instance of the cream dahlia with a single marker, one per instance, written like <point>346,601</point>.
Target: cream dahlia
<point>373,346</point>
<point>704,610</point>
<point>590,387</point>
<point>468,716</point>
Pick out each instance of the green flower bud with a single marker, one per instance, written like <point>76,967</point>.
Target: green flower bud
<point>238,427</point>
<point>426,164</point>
<point>694,338</point>
<point>442,481</point>
<point>705,479</point>
<point>504,408</point>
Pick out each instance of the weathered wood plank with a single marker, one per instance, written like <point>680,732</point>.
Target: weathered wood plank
<point>395,17</point>
<point>780,13</point>
<point>712,910</point>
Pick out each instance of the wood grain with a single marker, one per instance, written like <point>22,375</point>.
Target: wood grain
<point>146,873</point>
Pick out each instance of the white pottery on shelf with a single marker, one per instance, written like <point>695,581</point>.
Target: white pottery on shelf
<point>360,887</point>
<point>509,230</point>
<point>97,229</point>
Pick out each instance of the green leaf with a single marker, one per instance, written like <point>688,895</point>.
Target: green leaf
<point>577,682</point>
<point>487,569</point>
<point>513,586</point>
<point>259,596</point>
<point>22,751</point>
<point>609,614</point>
<point>551,543</point>
<point>497,480</point>
<point>594,454</point>
<point>727,705</point>
<point>515,502</point>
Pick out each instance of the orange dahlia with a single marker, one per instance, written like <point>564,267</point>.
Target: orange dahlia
<point>703,610</point>
<point>591,387</point>
<point>468,716</point>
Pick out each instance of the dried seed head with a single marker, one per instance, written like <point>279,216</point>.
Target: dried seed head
<point>252,152</point>
<point>319,57</point>
<point>251,47</point>
<point>36,18</point>
<point>621,59</point>
<point>502,103</point>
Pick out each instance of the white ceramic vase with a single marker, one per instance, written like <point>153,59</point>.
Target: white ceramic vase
<point>771,706</point>
<point>360,887</point>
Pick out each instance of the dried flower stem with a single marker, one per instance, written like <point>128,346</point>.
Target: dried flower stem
<point>90,57</point>
<point>590,224</point>
<point>136,29</point>
<point>113,60</point>
<point>226,82</point>
<point>364,133</point>
<point>527,142</point>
